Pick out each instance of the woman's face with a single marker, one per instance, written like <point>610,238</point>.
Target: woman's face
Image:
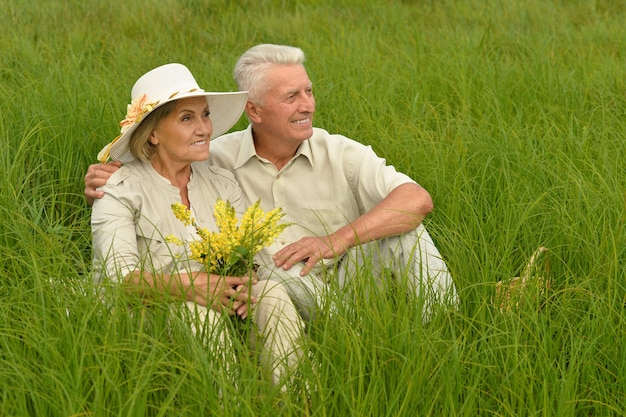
<point>184,135</point>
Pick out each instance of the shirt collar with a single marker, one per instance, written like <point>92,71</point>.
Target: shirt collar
<point>247,150</point>
<point>305,150</point>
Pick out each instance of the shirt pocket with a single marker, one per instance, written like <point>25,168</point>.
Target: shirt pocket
<point>155,253</point>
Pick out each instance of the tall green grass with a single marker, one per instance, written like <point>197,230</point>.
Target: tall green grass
<point>511,113</point>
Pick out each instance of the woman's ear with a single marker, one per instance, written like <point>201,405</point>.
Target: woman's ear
<point>153,138</point>
<point>253,111</point>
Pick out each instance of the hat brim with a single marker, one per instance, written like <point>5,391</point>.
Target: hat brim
<point>226,110</point>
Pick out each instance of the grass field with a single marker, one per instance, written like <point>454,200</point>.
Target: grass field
<point>511,113</point>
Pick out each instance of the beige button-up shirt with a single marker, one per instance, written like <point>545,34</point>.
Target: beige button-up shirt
<point>130,223</point>
<point>330,182</point>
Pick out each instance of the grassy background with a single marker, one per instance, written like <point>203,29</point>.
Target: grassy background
<point>511,113</point>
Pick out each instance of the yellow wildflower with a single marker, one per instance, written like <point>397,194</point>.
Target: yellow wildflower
<point>173,239</point>
<point>182,213</point>
<point>231,250</point>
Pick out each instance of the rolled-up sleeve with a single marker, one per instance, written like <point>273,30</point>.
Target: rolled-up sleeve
<point>372,179</point>
<point>115,248</point>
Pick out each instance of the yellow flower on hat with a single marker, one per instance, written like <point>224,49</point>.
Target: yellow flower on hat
<point>135,112</point>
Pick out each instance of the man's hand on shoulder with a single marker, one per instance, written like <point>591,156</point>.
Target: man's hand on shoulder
<point>97,175</point>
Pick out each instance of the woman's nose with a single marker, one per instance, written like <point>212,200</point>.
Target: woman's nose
<point>205,127</point>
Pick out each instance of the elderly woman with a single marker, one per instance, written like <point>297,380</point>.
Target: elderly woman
<point>165,137</point>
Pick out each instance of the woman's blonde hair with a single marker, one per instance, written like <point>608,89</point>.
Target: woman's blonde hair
<point>139,144</point>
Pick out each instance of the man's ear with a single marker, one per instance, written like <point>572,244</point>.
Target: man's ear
<point>253,111</point>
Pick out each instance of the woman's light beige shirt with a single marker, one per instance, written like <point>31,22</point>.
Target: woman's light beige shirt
<point>130,223</point>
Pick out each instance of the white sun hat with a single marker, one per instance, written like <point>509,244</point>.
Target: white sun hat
<point>164,84</point>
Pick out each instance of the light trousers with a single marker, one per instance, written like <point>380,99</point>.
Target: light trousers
<point>278,329</point>
<point>412,255</point>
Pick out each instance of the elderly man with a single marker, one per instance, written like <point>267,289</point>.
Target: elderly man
<point>346,205</point>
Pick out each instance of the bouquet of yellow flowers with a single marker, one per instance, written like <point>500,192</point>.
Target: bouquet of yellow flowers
<point>231,250</point>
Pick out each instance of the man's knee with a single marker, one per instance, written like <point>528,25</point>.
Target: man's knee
<point>305,292</point>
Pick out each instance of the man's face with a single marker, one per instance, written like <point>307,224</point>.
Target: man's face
<point>288,105</point>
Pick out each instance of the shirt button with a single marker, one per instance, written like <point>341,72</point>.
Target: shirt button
<point>278,176</point>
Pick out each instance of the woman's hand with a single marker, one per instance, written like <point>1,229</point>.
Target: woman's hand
<point>228,295</point>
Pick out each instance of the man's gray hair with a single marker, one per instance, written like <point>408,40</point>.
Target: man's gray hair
<point>253,66</point>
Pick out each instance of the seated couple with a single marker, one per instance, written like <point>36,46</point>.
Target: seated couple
<point>344,202</point>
